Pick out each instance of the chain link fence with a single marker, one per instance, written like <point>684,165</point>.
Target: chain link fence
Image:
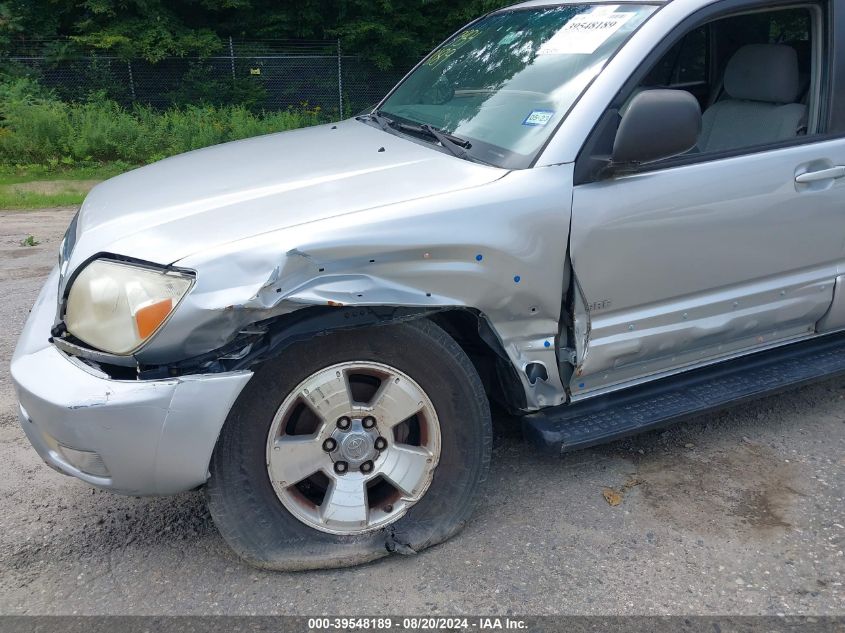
<point>260,74</point>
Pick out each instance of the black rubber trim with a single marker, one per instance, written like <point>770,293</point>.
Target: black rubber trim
<point>836,44</point>
<point>663,402</point>
<point>272,337</point>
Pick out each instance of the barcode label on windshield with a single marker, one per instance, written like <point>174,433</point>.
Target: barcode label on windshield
<point>584,33</point>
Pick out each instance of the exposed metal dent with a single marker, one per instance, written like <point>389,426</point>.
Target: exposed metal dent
<point>440,252</point>
<point>703,360</point>
<point>282,226</point>
<point>675,272</point>
<point>834,318</point>
<point>526,341</point>
<point>346,289</point>
<point>582,326</point>
<point>692,330</point>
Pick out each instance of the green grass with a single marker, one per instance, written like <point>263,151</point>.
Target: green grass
<point>30,200</point>
<point>53,133</point>
<point>11,175</point>
<point>39,186</point>
<point>52,152</point>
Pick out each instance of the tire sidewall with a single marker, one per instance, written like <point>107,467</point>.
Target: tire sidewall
<point>242,498</point>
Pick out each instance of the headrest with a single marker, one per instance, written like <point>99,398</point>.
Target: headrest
<point>763,72</point>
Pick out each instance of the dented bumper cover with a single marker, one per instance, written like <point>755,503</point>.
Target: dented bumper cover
<point>135,437</point>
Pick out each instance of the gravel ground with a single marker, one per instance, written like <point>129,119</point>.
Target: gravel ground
<point>735,513</point>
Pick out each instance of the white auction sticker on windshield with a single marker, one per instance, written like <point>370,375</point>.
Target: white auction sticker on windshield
<point>584,33</point>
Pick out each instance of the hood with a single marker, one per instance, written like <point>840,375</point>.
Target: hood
<point>192,202</point>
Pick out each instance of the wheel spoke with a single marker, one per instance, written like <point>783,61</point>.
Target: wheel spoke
<point>297,457</point>
<point>396,401</point>
<point>407,467</point>
<point>327,394</point>
<point>345,501</point>
<point>341,444</point>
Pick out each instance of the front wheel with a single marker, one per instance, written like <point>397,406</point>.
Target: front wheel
<point>351,446</point>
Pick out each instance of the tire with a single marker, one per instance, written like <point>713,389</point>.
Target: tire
<point>246,505</point>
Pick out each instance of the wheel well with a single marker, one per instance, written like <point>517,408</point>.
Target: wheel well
<point>268,339</point>
<point>477,338</point>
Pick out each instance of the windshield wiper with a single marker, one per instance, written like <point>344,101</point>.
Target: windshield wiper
<point>379,119</point>
<point>382,121</point>
<point>457,146</point>
<point>454,144</point>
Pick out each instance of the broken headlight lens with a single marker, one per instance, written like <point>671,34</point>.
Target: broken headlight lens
<point>116,307</point>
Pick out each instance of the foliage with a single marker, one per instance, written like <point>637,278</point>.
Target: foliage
<point>201,85</point>
<point>64,132</point>
<point>22,89</point>
<point>393,33</point>
<point>11,175</point>
<point>30,240</point>
<point>39,129</point>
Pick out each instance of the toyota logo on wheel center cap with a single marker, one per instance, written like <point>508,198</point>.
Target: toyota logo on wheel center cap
<point>356,447</point>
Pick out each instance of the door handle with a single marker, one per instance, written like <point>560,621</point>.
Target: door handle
<point>823,174</point>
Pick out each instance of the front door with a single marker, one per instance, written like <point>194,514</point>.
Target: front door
<point>724,251</point>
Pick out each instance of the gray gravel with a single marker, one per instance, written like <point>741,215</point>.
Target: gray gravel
<point>735,513</point>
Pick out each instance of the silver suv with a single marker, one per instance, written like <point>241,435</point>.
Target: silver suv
<point>603,216</point>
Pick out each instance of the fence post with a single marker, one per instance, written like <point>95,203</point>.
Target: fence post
<point>131,79</point>
<point>339,81</point>
<point>232,57</point>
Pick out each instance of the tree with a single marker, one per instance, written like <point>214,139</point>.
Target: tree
<point>392,33</point>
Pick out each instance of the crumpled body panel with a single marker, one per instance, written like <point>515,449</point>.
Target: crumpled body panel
<point>343,215</point>
<point>499,249</point>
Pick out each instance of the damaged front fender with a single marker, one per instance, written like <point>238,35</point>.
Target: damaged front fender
<point>499,250</point>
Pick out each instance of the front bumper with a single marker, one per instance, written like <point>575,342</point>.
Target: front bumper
<point>134,437</point>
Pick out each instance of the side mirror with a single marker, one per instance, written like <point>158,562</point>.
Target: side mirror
<point>657,124</point>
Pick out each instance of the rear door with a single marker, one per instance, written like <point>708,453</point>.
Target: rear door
<point>713,254</point>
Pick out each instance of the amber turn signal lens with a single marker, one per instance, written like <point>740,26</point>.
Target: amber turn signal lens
<point>148,318</point>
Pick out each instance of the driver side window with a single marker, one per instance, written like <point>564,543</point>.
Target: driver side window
<point>757,77</point>
<point>751,74</point>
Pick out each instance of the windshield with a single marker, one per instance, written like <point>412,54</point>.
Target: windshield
<point>506,81</point>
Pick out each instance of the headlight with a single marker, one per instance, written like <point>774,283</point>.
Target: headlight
<point>116,307</point>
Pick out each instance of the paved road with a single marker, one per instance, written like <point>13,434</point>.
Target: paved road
<point>736,513</point>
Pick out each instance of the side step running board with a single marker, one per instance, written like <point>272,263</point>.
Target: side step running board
<point>663,402</point>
